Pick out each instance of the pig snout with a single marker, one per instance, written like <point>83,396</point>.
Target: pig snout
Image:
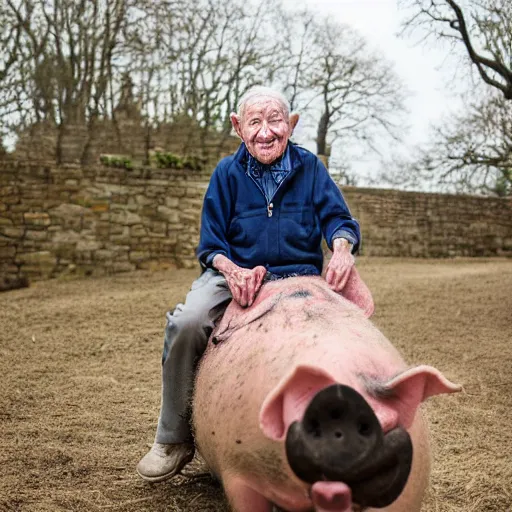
<point>340,439</point>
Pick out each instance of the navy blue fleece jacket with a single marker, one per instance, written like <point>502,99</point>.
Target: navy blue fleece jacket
<point>284,233</point>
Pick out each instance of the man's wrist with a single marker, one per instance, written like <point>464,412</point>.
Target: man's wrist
<point>217,261</point>
<point>342,243</point>
<point>222,263</point>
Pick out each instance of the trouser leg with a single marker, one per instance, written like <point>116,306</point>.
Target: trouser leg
<point>186,335</point>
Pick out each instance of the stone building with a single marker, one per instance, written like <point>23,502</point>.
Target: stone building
<point>125,134</point>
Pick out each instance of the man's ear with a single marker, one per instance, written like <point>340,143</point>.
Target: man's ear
<point>236,122</point>
<point>294,119</point>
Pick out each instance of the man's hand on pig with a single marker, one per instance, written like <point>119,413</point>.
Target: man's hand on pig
<point>244,283</point>
<point>342,261</point>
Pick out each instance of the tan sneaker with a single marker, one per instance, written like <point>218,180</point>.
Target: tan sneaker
<point>164,461</point>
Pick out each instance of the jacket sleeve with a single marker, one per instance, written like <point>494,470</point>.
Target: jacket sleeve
<point>215,218</point>
<point>332,210</point>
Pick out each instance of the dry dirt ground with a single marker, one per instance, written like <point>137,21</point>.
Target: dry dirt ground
<point>80,385</point>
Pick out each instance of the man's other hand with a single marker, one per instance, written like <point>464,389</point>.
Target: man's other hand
<point>244,283</point>
<point>342,261</point>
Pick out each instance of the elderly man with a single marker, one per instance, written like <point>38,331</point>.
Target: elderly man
<point>264,214</point>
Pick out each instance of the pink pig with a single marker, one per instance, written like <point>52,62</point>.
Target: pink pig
<point>302,404</point>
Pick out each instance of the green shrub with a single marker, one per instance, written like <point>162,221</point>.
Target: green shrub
<point>120,162</point>
<point>172,161</point>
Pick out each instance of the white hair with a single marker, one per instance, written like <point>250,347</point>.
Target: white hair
<point>260,91</point>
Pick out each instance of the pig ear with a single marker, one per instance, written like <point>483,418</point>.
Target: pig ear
<point>287,402</point>
<point>356,291</point>
<point>415,385</point>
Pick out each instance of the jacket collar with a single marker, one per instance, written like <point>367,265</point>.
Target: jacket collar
<point>242,155</point>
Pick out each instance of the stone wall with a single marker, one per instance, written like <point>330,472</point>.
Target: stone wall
<point>98,221</point>
<point>410,224</point>
<point>126,136</point>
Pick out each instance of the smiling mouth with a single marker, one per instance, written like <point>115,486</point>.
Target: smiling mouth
<point>266,144</point>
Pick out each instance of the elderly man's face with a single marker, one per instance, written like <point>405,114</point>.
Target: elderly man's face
<point>265,128</point>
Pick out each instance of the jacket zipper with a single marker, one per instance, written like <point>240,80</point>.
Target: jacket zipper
<point>270,204</point>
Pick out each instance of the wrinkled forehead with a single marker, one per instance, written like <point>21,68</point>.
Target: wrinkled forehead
<point>262,105</point>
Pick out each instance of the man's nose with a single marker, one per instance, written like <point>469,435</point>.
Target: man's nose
<point>264,130</point>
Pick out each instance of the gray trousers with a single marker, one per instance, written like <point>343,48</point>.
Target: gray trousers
<point>186,336</point>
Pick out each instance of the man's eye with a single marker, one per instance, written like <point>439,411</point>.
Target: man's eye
<point>254,121</point>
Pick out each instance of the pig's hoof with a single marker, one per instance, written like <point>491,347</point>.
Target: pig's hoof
<point>340,439</point>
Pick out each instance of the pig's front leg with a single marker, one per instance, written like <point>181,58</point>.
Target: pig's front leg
<point>243,498</point>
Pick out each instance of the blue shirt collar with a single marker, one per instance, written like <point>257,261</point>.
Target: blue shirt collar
<point>282,164</point>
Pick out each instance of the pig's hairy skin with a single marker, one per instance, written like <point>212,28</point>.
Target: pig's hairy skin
<point>235,377</point>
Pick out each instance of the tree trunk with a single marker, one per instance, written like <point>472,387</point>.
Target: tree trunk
<point>321,137</point>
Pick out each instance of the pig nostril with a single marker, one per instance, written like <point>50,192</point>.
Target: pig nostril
<point>314,428</point>
<point>364,428</point>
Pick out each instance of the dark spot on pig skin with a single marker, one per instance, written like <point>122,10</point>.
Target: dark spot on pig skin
<point>259,326</point>
<point>300,294</point>
<point>239,397</point>
<point>309,316</point>
<point>238,441</point>
<point>213,432</point>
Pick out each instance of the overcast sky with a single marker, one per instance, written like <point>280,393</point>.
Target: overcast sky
<point>424,69</point>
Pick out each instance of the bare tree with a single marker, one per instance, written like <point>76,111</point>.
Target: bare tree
<point>357,93</point>
<point>227,50</point>
<point>13,103</point>
<point>196,59</point>
<point>68,61</point>
<point>347,94</point>
<point>300,55</point>
<point>10,35</point>
<point>472,151</point>
<point>65,53</point>
<point>482,27</point>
